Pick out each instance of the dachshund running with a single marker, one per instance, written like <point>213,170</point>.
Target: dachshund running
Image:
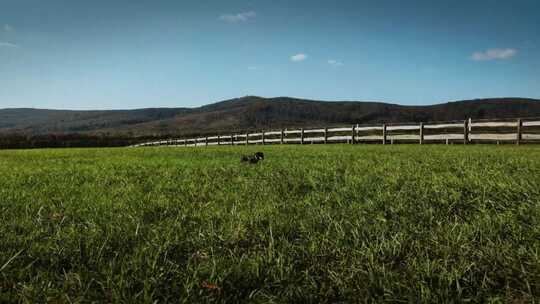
<point>252,159</point>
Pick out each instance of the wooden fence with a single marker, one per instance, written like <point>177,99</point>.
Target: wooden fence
<point>526,130</point>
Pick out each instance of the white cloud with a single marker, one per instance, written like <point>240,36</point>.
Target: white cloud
<point>299,57</point>
<point>8,45</point>
<point>335,63</point>
<point>494,54</point>
<point>240,17</point>
<point>7,28</point>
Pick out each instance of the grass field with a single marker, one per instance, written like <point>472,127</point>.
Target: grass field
<point>310,224</point>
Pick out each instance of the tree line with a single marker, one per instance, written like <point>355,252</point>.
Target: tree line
<point>72,140</point>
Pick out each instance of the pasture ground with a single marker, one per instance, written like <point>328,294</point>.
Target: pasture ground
<point>334,223</point>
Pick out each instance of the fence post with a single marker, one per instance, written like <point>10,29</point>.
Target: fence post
<point>353,134</point>
<point>519,134</point>
<point>263,139</point>
<point>466,132</point>
<point>421,133</point>
<point>206,141</point>
<point>325,135</point>
<point>219,140</point>
<point>302,136</point>
<point>247,139</point>
<point>185,142</point>
<point>281,138</point>
<point>384,134</point>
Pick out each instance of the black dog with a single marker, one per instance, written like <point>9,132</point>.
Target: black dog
<point>253,159</point>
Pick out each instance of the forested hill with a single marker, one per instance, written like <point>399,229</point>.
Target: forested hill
<point>250,113</point>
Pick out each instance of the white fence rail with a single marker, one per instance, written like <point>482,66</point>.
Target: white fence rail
<point>518,131</point>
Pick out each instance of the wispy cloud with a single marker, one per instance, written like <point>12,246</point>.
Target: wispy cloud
<point>240,17</point>
<point>299,57</point>
<point>7,28</point>
<point>254,68</point>
<point>494,54</point>
<point>8,45</point>
<point>335,63</point>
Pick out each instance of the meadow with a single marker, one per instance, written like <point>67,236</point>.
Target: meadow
<point>310,224</point>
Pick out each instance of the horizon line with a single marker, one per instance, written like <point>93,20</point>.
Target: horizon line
<point>270,98</point>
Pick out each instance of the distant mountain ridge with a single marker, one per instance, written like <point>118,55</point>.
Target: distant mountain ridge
<point>252,112</point>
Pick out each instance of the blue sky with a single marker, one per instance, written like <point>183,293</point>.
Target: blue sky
<point>120,54</point>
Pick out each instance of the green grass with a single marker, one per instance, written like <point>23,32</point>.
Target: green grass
<point>310,224</point>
